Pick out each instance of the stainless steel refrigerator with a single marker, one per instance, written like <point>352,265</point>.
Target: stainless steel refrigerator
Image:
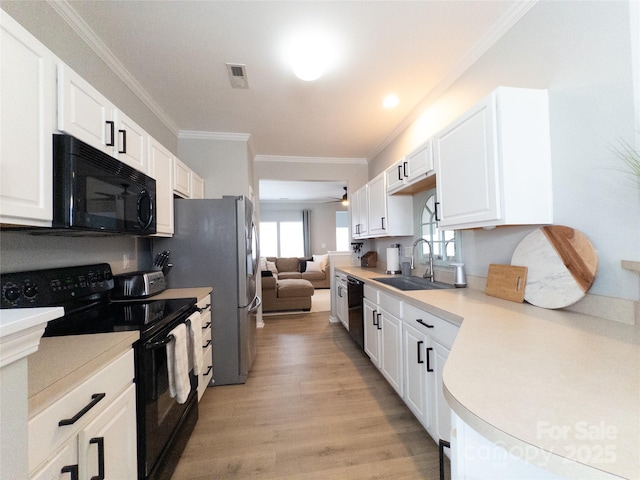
<point>214,244</point>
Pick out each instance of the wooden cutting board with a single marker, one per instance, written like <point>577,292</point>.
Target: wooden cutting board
<point>562,265</point>
<point>506,281</point>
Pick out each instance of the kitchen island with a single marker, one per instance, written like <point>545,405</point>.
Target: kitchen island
<point>556,388</point>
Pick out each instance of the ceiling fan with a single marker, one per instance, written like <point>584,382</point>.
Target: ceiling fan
<point>344,200</point>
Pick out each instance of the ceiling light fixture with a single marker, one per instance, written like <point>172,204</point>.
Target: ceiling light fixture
<point>345,199</point>
<point>390,101</point>
<point>310,54</point>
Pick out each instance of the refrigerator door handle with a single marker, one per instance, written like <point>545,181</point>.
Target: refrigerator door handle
<point>257,301</point>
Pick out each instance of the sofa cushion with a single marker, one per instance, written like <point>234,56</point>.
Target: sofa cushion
<point>294,288</point>
<point>289,275</point>
<point>314,267</point>
<point>313,276</point>
<point>288,264</point>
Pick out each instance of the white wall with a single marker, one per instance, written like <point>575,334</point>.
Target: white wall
<point>581,53</point>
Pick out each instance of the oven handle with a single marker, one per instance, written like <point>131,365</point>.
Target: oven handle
<point>161,343</point>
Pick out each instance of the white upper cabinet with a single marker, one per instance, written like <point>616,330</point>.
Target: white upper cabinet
<point>27,121</point>
<point>377,201</point>
<point>409,174</point>
<point>197,185</point>
<point>389,215</point>
<point>89,116</point>
<point>493,163</point>
<point>84,112</point>
<point>359,213</point>
<point>161,168</point>
<point>181,179</point>
<point>396,176</point>
<point>131,143</point>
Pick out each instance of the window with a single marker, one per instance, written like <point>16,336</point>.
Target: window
<point>342,231</point>
<point>446,243</point>
<point>282,237</point>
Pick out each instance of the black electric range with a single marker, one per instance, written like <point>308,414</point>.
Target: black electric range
<point>163,424</point>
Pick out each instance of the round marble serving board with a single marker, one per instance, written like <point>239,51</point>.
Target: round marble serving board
<point>562,265</point>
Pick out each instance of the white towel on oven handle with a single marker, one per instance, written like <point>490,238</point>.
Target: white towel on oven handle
<point>195,342</point>
<point>178,364</point>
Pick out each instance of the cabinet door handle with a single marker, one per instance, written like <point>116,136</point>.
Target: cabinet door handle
<point>203,308</point>
<point>419,320</point>
<point>206,344</point>
<point>72,469</point>
<point>400,173</point>
<point>95,398</point>
<point>124,141</point>
<point>404,168</point>
<point>429,369</point>
<point>382,222</point>
<point>420,342</point>
<point>437,212</point>
<point>112,131</point>
<point>206,326</point>
<point>100,442</point>
<point>379,324</point>
<point>208,371</point>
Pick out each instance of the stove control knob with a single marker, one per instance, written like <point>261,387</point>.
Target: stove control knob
<point>30,290</point>
<point>12,293</point>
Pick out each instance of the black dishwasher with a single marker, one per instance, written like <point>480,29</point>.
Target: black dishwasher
<point>355,294</point>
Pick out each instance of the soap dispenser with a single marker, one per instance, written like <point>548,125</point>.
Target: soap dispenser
<point>459,277</point>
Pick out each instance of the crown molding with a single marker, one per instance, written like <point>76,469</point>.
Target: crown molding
<point>77,23</point>
<point>502,26</point>
<point>198,135</point>
<point>293,159</point>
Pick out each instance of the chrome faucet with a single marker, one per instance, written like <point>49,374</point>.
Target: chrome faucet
<point>428,274</point>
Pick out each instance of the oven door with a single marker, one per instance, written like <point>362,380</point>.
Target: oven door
<point>159,415</point>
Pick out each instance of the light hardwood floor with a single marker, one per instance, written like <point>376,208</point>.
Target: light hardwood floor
<point>314,407</point>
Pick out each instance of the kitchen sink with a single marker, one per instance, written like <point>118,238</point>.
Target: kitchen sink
<point>412,283</point>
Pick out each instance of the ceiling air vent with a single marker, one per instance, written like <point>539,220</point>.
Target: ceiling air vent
<point>238,75</point>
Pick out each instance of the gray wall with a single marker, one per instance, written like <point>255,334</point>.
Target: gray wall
<point>581,53</point>
<point>225,165</point>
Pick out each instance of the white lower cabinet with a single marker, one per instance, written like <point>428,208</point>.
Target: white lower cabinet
<point>206,368</point>
<point>427,342</point>
<point>342,300</point>
<point>107,445</point>
<point>90,430</point>
<point>383,335</point>
<point>415,388</point>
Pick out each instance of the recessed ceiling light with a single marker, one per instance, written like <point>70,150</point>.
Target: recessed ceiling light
<point>390,101</point>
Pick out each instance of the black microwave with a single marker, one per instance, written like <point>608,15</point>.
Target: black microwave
<point>95,193</point>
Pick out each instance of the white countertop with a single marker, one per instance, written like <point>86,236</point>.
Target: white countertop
<point>21,329</point>
<point>519,374</point>
<point>62,362</point>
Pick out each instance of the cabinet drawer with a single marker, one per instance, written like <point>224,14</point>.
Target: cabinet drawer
<point>370,293</point>
<point>206,373</point>
<point>66,457</point>
<point>206,338</point>
<point>442,330</point>
<point>392,305</point>
<point>46,436</point>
